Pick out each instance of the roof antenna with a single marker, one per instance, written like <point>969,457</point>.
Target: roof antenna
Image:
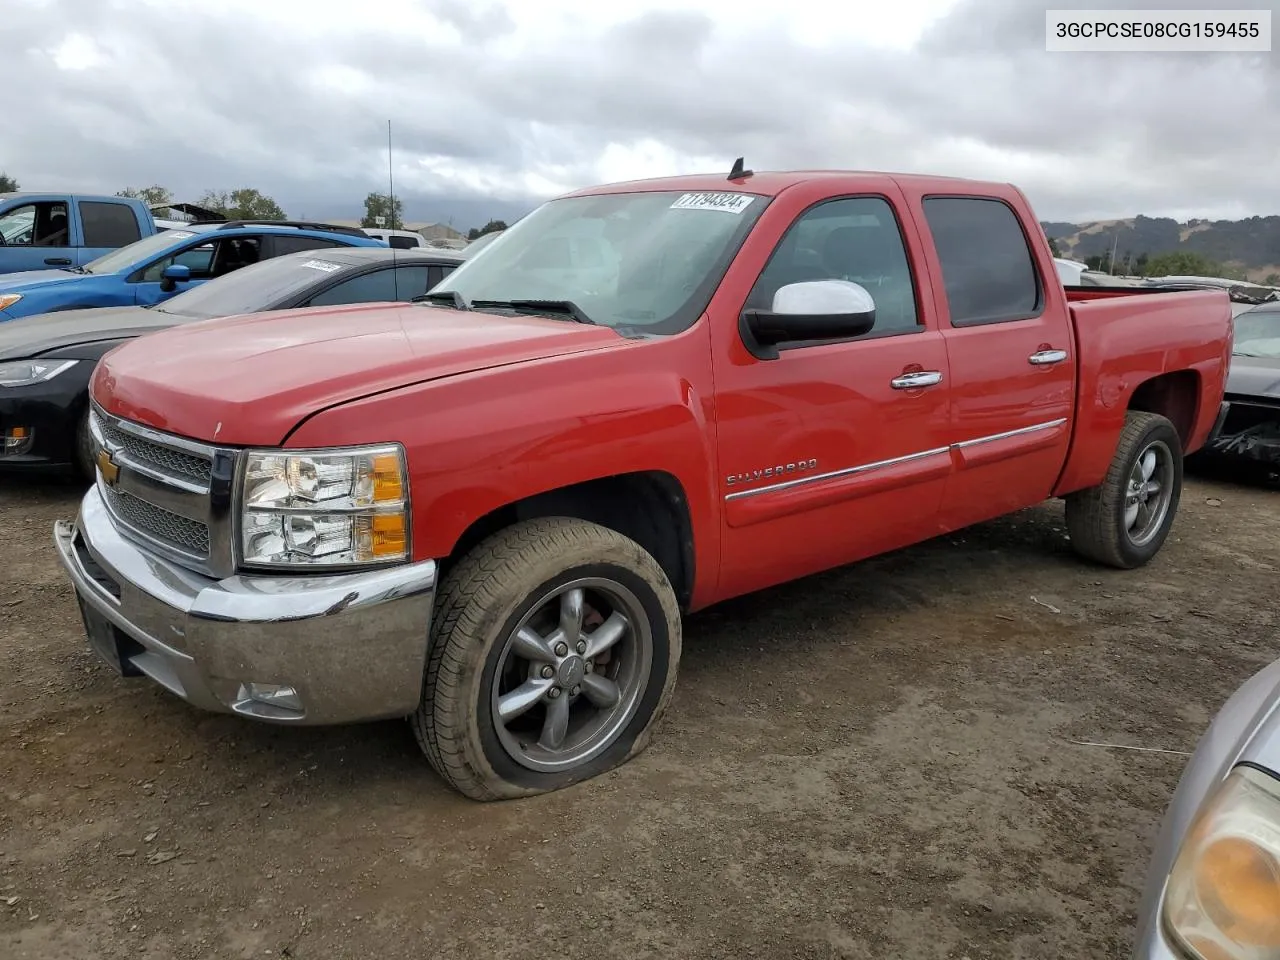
<point>738,173</point>
<point>391,214</point>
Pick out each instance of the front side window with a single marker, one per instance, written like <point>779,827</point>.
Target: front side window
<point>987,269</point>
<point>647,262</point>
<point>108,224</point>
<point>42,224</point>
<point>208,260</point>
<point>854,238</point>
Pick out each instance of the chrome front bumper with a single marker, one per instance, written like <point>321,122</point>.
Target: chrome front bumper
<point>351,646</point>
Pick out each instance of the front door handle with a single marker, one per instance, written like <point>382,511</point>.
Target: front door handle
<point>913,381</point>
<point>1041,357</point>
<point>58,261</point>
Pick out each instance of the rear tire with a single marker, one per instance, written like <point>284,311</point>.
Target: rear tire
<point>554,651</point>
<point>1124,521</point>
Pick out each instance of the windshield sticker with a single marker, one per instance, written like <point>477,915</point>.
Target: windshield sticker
<point>178,234</point>
<point>324,265</point>
<point>728,202</point>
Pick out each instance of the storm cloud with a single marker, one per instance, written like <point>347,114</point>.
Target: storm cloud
<point>509,103</point>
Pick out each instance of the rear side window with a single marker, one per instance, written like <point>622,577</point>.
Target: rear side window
<point>381,285</point>
<point>402,243</point>
<point>987,268</point>
<point>285,245</point>
<point>108,224</point>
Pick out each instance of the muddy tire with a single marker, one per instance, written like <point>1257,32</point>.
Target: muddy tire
<point>84,454</point>
<point>554,650</point>
<point>1124,521</point>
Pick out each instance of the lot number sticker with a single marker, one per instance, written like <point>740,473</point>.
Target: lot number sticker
<point>727,202</point>
<point>324,265</point>
<point>178,234</point>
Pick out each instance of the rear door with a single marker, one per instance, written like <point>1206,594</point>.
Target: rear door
<point>105,225</point>
<point>1010,351</point>
<point>836,450</point>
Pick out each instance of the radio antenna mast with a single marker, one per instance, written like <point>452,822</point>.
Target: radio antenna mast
<point>391,213</point>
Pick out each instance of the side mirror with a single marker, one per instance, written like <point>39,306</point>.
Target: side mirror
<point>173,275</point>
<point>812,310</point>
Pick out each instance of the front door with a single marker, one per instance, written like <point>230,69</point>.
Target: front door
<point>1010,350</point>
<point>834,451</point>
<point>37,236</point>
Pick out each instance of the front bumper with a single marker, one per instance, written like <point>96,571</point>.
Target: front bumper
<point>352,646</point>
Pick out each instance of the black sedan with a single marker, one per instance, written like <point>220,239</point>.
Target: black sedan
<point>46,360</point>
<point>1248,435</point>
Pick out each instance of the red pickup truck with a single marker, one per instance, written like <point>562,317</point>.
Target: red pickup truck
<point>487,512</point>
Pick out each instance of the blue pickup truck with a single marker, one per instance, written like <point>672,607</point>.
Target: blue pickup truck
<point>39,231</point>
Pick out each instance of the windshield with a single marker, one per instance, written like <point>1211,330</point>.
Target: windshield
<point>1258,334</point>
<point>256,287</point>
<point>132,255</point>
<point>647,262</point>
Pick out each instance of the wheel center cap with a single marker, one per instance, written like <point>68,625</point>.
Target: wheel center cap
<point>571,671</point>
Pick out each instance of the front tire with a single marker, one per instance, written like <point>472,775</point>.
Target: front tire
<point>1124,521</point>
<point>554,652</point>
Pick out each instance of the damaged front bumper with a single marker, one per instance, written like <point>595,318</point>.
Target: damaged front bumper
<point>1248,428</point>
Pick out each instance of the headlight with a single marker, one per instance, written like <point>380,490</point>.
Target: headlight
<point>324,507</point>
<point>9,299</point>
<point>23,373</point>
<point>1222,901</point>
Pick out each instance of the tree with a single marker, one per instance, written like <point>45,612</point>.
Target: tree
<point>493,226</point>
<point>1187,263</point>
<point>1053,247</point>
<point>243,204</point>
<point>152,196</point>
<point>8,184</point>
<point>380,205</point>
<point>1272,280</point>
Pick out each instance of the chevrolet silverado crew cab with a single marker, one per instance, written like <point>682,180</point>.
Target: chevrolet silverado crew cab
<point>487,512</point>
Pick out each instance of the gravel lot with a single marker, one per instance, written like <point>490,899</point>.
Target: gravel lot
<point>871,762</point>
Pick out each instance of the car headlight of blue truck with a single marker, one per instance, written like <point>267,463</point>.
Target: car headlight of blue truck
<point>324,508</point>
<point>1222,901</point>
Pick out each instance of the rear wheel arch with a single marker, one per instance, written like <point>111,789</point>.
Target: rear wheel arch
<point>1174,396</point>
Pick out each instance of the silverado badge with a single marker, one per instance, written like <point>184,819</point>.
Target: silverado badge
<point>109,469</point>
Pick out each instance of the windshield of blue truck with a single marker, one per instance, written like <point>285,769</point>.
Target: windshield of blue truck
<point>645,261</point>
<point>136,253</point>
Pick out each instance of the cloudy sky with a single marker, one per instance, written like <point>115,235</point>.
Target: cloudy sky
<point>495,105</point>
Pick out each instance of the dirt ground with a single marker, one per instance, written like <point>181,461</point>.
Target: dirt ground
<point>871,762</point>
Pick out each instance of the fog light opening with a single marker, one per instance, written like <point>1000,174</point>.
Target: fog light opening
<point>18,440</point>
<point>271,700</point>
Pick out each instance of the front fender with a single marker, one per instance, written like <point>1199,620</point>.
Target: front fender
<point>481,441</point>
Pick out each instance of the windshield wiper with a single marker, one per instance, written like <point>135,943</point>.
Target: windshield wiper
<point>450,298</point>
<point>567,307</point>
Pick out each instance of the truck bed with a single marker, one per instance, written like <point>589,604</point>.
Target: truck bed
<point>1127,341</point>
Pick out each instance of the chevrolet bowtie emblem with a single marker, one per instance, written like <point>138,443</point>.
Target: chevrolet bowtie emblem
<point>109,469</point>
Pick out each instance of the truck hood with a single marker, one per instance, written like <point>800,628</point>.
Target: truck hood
<point>1254,376</point>
<point>249,380</point>
<point>45,332</point>
<point>28,279</point>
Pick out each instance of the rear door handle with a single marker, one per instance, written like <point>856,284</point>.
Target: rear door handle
<point>58,261</point>
<point>913,381</point>
<point>1041,357</point>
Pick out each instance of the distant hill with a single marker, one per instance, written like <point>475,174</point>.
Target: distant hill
<point>1250,246</point>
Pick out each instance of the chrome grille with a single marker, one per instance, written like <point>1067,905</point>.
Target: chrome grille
<point>190,536</point>
<point>161,459</point>
<point>170,493</point>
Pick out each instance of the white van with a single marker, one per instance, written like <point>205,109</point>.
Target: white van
<point>400,239</point>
